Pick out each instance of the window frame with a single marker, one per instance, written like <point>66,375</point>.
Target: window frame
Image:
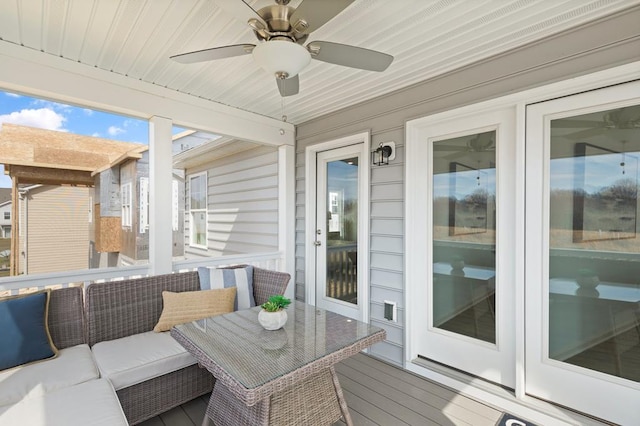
<point>126,213</point>
<point>192,211</point>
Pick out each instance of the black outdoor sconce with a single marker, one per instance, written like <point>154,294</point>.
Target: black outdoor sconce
<point>381,155</point>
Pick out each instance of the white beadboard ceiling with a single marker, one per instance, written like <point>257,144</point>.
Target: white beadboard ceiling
<point>135,38</point>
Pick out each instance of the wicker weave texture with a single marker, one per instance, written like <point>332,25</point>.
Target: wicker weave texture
<point>267,283</point>
<point>123,308</point>
<point>66,317</point>
<point>152,397</point>
<point>313,401</point>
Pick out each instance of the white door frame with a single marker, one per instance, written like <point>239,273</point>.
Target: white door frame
<point>363,219</point>
<point>460,351</point>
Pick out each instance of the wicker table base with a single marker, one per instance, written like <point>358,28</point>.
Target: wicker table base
<point>317,400</point>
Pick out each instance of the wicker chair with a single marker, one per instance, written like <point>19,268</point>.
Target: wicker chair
<point>123,308</point>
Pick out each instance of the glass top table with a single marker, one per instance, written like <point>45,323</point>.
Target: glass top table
<point>253,364</point>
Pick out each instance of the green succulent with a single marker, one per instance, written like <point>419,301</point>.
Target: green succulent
<point>275,303</point>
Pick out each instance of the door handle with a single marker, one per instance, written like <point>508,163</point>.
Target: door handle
<point>317,243</point>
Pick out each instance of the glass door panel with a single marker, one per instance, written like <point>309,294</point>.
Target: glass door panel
<point>339,178</point>
<point>464,235</point>
<point>594,299</point>
<point>583,252</point>
<point>342,230</point>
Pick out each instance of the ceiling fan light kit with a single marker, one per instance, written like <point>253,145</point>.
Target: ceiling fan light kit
<point>281,58</point>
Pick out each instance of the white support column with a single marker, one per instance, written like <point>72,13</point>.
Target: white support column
<point>160,195</point>
<point>287,213</point>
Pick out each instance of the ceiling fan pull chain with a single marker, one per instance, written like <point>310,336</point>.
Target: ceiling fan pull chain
<point>282,99</point>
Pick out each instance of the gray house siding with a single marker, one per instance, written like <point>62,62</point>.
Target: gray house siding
<point>242,204</point>
<point>599,45</point>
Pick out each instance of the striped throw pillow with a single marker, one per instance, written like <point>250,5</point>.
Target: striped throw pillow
<point>241,278</point>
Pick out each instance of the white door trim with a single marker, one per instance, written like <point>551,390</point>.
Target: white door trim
<point>363,222</point>
<point>459,351</point>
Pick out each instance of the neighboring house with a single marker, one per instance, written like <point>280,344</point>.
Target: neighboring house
<point>232,198</point>
<point>120,232</point>
<point>53,229</point>
<point>5,212</point>
<point>62,224</point>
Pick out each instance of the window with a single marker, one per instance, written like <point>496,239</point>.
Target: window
<point>175,204</point>
<point>125,193</point>
<point>7,215</point>
<point>198,210</point>
<point>144,204</point>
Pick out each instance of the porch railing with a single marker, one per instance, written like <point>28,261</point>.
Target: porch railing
<point>84,277</point>
<point>342,272</point>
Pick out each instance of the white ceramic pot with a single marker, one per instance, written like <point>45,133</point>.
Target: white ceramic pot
<point>272,320</point>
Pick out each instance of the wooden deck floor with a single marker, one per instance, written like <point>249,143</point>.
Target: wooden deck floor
<point>377,394</point>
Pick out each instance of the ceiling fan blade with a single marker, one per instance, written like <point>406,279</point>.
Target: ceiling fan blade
<point>288,86</point>
<point>349,56</point>
<point>565,123</point>
<point>214,53</point>
<point>312,14</point>
<point>586,134</point>
<point>449,148</point>
<point>241,10</point>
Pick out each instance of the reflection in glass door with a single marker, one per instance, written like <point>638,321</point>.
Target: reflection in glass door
<point>594,301</point>
<point>585,321</point>
<point>464,235</point>
<point>342,230</point>
<point>338,192</point>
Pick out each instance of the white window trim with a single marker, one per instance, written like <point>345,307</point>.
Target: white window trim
<point>205,210</point>
<point>125,205</point>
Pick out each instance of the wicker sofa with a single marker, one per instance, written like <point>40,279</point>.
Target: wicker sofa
<point>120,316</point>
<point>66,390</point>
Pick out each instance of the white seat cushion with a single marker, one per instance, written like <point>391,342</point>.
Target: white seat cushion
<point>72,366</point>
<point>91,403</point>
<point>135,359</point>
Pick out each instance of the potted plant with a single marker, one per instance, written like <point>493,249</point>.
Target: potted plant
<point>273,316</point>
<point>587,278</point>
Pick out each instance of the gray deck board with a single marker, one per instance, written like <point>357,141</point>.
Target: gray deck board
<point>431,393</point>
<point>377,393</point>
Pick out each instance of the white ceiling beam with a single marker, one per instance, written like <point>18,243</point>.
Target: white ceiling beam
<point>38,74</point>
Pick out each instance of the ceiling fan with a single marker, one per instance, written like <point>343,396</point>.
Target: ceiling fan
<point>622,118</point>
<point>282,30</point>
<point>460,147</point>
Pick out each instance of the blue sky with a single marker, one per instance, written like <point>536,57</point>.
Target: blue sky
<point>27,111</point>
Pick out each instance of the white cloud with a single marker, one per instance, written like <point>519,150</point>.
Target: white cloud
<point>87,112</point>
<point>96,135</point>
<point>12,95</point>
<point>52,105</point>
<point>44,118</point>
<point>114,130</point>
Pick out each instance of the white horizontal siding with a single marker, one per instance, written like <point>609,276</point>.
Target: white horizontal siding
<point>242,215</point>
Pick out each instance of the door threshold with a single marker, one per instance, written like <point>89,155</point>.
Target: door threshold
<point>532,409</point>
